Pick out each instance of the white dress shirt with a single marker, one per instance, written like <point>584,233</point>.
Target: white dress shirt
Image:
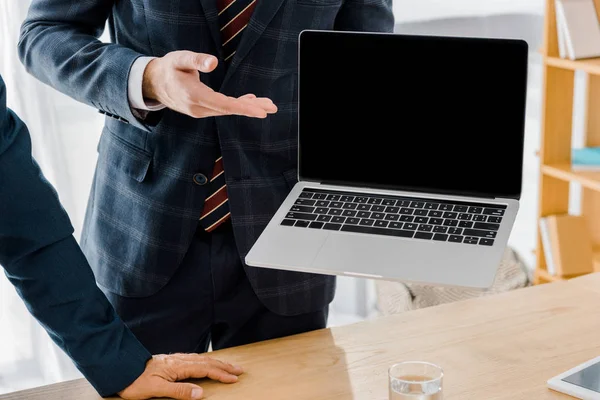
<point>134,89</point>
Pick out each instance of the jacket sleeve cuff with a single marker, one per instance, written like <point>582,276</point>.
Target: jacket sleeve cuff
<point>123,110</point>
<point>119,369</point>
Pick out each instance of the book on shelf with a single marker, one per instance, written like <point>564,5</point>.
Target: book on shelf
<point>578,29</point>
<point>585,159</point>
<point>596,262</point>
<point>560,29</point>
<point>567,245</point>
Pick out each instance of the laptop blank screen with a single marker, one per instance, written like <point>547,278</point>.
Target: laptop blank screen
<point>418,113</point>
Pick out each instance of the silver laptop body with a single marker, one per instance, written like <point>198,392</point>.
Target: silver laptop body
<point>421,183</point>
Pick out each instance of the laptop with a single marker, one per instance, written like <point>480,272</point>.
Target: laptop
<point>409,162</point>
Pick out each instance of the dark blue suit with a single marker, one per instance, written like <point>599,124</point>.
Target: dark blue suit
<point>145,204</point>
<point>42,259</point>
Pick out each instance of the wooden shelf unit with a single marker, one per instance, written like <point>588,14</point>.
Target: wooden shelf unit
<point>587,179</point>
<point>591,66</point>
<point>555,150</point>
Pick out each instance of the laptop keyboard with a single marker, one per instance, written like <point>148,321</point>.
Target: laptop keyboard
<point>408,217</point>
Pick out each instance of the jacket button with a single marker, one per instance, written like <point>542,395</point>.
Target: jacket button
<point>200,179</point>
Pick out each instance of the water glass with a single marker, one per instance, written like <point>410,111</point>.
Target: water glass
<point>415,380</point>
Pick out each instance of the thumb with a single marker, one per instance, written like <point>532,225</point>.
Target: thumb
<point>196,61</point>
<point>181,391</point>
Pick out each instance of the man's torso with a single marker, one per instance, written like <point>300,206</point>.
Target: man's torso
<point>145,203</point>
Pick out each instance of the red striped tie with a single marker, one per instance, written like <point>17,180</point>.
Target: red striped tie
<point>216,205</point>
<point>234,16</point>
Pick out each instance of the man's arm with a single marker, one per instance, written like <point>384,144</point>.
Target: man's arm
<point>59,45</point>
<point>365,16</point>
<point>43,261</point>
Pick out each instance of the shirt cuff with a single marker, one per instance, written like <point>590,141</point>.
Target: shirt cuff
<point>134,88</point>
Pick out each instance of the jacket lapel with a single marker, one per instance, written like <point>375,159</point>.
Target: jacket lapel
<point>212,18</point>
<point>263,14</point>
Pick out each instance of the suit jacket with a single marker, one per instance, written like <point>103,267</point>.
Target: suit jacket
<point>44,263</point>
<point>144,205</point>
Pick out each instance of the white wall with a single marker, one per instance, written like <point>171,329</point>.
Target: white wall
<point>417,10</point>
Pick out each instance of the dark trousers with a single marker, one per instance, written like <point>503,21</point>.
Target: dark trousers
<point>209,299</point>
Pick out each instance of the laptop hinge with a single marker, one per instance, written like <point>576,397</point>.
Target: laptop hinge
<point>405,189</point>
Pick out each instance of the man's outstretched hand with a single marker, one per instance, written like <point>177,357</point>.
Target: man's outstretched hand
<point>160,379</point>
<point>173,81</point>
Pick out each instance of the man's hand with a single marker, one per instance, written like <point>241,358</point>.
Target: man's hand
<point>173,81</point>
<point>163,371</point>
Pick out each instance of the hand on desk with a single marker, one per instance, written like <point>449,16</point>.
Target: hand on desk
<point>163,371</point>
<point>173,81</point>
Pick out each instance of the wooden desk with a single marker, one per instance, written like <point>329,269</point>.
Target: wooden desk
<point>501,347</point>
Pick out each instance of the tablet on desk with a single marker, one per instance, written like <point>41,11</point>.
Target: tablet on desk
<point>582,382</point>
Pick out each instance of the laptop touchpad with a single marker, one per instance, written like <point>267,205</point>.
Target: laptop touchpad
<point>412,260</point>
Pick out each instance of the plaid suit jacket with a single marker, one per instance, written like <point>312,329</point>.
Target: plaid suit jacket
<point>144,205</point>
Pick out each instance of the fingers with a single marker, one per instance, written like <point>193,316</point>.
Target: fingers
<point>197,370</point>
<point>193,357</point>
<point>200,98</point>
<point>230,368</point>
<point>202,112</point>
<point>248,105</point>
<point>263,102</point>
<point>189,60</point>
<point>230,105</point>
<point>179,391</point>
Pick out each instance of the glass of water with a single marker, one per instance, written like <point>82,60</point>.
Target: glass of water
<point>415,380</point>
